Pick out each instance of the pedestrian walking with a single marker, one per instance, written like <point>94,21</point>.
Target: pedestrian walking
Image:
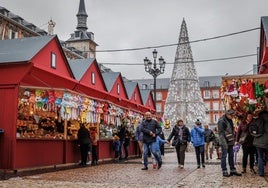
<point>226,140</point>
<point>216,143</point>
<point>209,139</point>
<point>83,142</point>
<point>139,139</point>
<point>157,148</point>
<point>181,137</point>
<point>150,128</point>
<point>198,141</point>
<point>162,146</point>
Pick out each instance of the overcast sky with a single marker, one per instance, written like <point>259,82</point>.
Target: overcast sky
<point>120,24</point>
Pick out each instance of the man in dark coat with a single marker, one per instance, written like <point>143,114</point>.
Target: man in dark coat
<point>84,142</point>
<point>226,140</point>
<point>150,129</point>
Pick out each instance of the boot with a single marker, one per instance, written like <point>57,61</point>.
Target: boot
<point>234,172</point>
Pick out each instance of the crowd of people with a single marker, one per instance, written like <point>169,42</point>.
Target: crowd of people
<point>224,139</point>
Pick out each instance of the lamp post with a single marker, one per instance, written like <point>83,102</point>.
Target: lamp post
<point>153,70</point>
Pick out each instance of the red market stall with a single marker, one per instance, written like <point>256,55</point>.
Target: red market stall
<point>42,105</point>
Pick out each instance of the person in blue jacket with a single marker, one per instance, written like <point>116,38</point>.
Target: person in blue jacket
<point>198,141</point>
<point>156,147</point>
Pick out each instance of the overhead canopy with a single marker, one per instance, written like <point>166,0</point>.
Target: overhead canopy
<point>42,78</point>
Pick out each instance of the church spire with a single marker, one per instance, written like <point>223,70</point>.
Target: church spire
<point>82,17</point>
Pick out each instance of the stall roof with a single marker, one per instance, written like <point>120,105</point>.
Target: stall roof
<point>109,79</point>
<point>23,49</point>
<point>80,66</point>
<point>264,21</point>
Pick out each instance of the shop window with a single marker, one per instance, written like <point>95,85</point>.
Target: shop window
<point>53,60</point>
<point>93,79</point>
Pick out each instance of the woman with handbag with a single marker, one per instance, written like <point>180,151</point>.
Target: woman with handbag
<point>246,140</point>
<point>180,141</point>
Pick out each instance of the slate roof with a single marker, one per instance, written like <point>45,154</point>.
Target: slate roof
<point>80,66</point>
<point>23,49</point>
<point>109,79</point>
<point>145,93</point>
<point>163,83</point>
<point>130,87</point>
<point>264,21</point>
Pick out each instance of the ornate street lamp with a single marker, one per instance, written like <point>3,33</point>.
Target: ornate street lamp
<point>153,70</point>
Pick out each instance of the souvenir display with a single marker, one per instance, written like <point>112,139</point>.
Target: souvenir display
<point>44,113</point>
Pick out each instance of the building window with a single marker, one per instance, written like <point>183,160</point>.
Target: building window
<point>118,89</point>
<point>93,80</point>
<point>206,84</point>
<point>216,105</point>
<point>216,118</point>
<point>206,94</point>
<point>207,105</point>
<point>53,60</point>
<point>158,107</point>
<point>216,94</point>
<point>158,96</point>
<point>151,86</point>
<point>12,34</point>
<point>144,86</point>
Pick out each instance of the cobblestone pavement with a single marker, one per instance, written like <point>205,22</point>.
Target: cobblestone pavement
<point>129,175</point>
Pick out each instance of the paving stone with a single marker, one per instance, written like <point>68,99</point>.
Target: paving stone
<point>130,175</point>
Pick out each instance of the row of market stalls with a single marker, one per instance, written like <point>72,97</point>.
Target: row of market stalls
<point>44,97</point>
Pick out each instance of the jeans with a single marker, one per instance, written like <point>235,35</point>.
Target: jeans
<point>157,155</point>
<point>227,151</point>
<point>262,159</point>
<point>199,152</point>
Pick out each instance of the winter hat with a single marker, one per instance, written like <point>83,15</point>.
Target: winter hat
<point>230,112</point>
<point>198,122</point>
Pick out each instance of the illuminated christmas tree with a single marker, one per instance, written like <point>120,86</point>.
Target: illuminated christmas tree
<point>184,99</point>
